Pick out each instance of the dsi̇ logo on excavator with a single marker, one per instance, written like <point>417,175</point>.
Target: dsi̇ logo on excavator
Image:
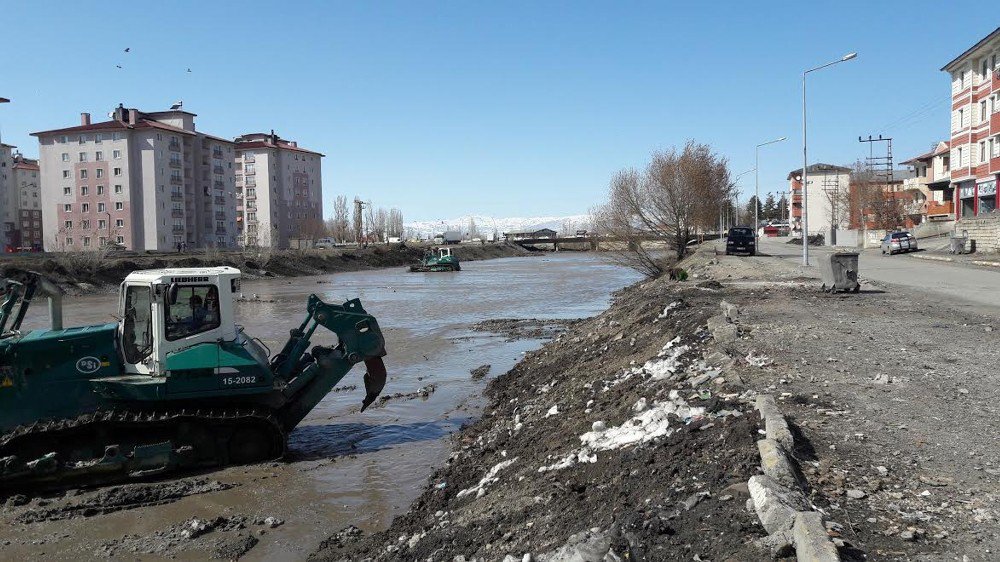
<point>88,365</point>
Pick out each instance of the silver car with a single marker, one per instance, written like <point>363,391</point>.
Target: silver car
<point>899,242</point>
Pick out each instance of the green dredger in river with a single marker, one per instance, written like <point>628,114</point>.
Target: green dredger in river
<point>439,259</point>
<point>175,384</point>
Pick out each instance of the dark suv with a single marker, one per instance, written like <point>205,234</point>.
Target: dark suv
<point>741,240</point>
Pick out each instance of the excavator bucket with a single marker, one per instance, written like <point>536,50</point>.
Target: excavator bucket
<point>374,380</point>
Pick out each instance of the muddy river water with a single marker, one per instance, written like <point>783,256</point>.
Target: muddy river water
<point>351,468</point>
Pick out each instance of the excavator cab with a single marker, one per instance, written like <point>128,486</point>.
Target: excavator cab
<point>167,310</point>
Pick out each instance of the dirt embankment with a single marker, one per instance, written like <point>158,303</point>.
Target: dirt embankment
<point>83,272</point>
<point>625,435</point>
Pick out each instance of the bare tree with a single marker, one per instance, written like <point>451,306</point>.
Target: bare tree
<point>473,231</point>
<point>394,225</point>
<point>679,193</point>
<point>339,228</point>
<point>873,204</point>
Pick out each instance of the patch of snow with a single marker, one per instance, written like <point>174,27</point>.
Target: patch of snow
<point>491,478</point>
<point>667,310</point>
<point>554,410</point>
<point>757,360</point>
<point>641,428</point>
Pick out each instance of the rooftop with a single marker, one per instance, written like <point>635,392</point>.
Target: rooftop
<point>818,168</point>
<point>971,50</point>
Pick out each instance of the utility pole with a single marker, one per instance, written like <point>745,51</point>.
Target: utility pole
<point>879,170</point>
<point>358,221</point>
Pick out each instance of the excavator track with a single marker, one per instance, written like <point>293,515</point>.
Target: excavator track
<point>112,446</point>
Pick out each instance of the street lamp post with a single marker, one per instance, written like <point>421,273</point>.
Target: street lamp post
<point>756,181</point>
<point>805,159</point>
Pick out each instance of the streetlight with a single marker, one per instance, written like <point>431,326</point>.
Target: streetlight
<point>805,159</point>
<point>756,180</point>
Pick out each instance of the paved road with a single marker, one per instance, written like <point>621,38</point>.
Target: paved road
<point>963,284</point>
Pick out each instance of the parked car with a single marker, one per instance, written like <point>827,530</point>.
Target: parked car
<point>324,243</point>
<point>741,240</point>
<point>899,242</point>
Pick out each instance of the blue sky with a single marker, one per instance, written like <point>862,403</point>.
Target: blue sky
<point>509,108</point>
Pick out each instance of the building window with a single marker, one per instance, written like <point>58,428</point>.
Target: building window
<point>64,138</point>
<point>85,224</point>
<point>118,188</point>
<point>98,156</point>
<point>120,239</point>
<point>119,206</point>
<point>65,156</point>
<point>983,115</point>
<point>83,139</point>
<point>67,191</point>
<point>84,190</point>
<point>68,225</point>
<point>117,154</point>
<point>100,190</point>
<point>982,152</point>
<point>69,241</point>
<point>66,174</point>
<point>68,208</point>
<point>120,223</point>
<point>100,173</point>
<point>83,174</point>
<point>85,207</point>
<point>118,172</point>
<point>101,207</point>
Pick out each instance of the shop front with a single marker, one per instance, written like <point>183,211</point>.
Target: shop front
<point>967,199</point>
<point>986,192</point>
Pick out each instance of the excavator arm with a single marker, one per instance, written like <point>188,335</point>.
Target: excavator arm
<point>311,375</point>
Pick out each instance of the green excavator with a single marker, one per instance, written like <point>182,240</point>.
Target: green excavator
<point>437,259</point>
<point>174,385</point>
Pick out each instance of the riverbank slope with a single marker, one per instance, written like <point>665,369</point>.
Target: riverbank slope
<point>89,272</point>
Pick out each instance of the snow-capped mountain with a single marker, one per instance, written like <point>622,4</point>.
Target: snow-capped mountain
<point>486,225</point>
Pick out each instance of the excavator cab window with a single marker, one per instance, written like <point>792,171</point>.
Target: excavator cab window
<point>137,324</point>
<point>196,310</point>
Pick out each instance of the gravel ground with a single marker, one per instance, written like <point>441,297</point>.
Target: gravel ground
<point>894,392</point>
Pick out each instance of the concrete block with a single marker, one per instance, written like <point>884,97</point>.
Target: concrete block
<point>812,543</point>
<point>775,425</point>
<point>729,310</point>
<point>775,463</point>
<point>775,504</point>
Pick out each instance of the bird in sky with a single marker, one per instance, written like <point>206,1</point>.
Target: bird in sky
<point>127,49</point>
<point>118,66</point>
<point>189,70</point>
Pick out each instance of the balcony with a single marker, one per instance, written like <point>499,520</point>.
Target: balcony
<point>176,180</point>
<point>218,170</point>
<point>217,154</point>
<point>176,196</point>
<point>177,214</point>
<point>175,163</point>
<point>220,216</point>
<point>219,200</point>
<point>175,146</point>
<point>940,210</point>
<point>247,157</point>
<point>220,230</point>
<point>178,228</point>
<point>219,184</point>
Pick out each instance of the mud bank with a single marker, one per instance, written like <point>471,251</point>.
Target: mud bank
<point>629,435</point>
<point>82,273</point>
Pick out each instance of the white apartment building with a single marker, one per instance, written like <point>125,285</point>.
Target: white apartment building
<point>279,189</point>
<point>828,209</point>
<point>146,181</point>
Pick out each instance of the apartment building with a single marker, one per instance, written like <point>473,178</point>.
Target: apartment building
<point>828,199</point>
<point>975,127</point>
<point>932,177</point>
<point>27,232</point>
<point>145,181</point>
<point>279,190</point>
<point>8,207</point>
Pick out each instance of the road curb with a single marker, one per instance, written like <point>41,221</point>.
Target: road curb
<point>986,263</point>
<point>779,497</point>
<point>931,258</point>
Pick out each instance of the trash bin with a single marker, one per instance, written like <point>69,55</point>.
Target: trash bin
<point>840,272</point>
<point>958,244</point>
